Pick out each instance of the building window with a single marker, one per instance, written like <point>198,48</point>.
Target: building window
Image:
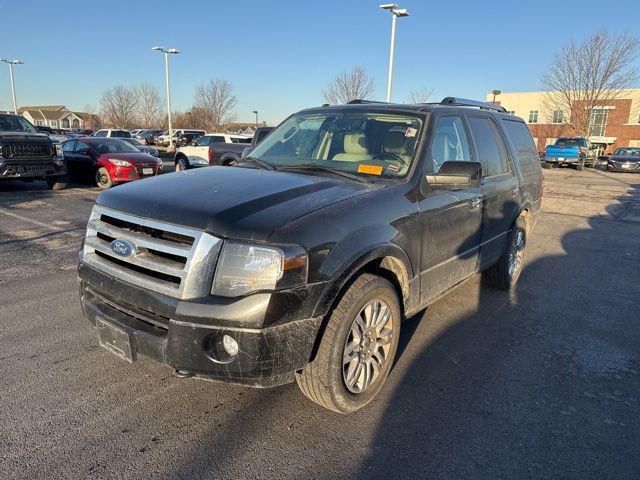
<point>39,123</point>
<point>557,116</point>
<point>54,123</point>
<point>598,122</point>
<point>533,116</point>
<point>75,123</point>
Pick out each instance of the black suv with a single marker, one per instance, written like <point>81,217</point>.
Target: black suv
<point>26,154</point>
<point>302,261</point>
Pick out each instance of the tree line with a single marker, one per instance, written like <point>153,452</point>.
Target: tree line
<point>142,106</point>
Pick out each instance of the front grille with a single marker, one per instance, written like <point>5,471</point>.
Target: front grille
<point>171,260</point>
<point>27,150</point>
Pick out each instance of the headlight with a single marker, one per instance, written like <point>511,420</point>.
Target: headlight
<point>244,268</point>
<point>59,152</point>
<point>119,163</point>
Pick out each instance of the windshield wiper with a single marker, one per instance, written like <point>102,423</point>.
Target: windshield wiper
<point>335,171</point>
<point>260,163</point>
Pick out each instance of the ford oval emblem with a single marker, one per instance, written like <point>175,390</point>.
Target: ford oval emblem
<point>123,248</point>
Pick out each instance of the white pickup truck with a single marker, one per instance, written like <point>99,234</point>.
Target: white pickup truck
<point>163,140</point>
<point>212,149</point>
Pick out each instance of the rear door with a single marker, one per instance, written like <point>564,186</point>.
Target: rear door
<point>68,150</point>
<point>500,187</point>
<point>450,219</point>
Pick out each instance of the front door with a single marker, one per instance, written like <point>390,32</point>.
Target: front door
<point>450,219</point>
<point>500,187</point>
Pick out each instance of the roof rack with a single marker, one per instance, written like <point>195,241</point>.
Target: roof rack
<point>463,102</point>
<point>359,101</point>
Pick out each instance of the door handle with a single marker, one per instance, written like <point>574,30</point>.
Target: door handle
<point>475,203</point>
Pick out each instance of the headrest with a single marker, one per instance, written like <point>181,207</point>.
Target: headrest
<point>355,143</point>
<point>394,142</point>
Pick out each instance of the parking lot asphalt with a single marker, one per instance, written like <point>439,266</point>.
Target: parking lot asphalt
<point>539,383</point>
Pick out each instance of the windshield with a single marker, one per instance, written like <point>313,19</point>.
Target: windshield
<point>12,123</point>
<point>364,143</point>
<point>627,152</point>
<point>110,145</point>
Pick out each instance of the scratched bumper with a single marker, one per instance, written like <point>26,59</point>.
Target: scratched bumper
<point>268,356</point>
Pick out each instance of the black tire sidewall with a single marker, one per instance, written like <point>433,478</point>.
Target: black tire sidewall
<point>100,185</point>
<point>343,398</point>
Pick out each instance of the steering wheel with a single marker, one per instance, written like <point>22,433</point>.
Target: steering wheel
<point>388,156</point>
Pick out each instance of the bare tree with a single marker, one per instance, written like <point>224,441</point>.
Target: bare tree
<point>354,84</point>
<point>587,75</point>
<point>420,95</point>
<point>150,106</point>
<point>214,103</point>
<point>119,106</point>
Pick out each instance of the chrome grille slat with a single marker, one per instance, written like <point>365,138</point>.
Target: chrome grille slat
<point>140,240</point>
<point>155,267</point>
<point>24,150</point>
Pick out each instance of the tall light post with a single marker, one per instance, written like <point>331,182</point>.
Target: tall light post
<point>395,13</point>
<point>495,94</point>
<point>167,52</point>
<point>256,112</point>
<point>13,83</point>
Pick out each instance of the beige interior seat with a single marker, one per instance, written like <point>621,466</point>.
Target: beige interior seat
<point>355,148</point>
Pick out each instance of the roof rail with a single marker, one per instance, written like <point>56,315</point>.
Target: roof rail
<point>359,101</point>
<point>463,102</point>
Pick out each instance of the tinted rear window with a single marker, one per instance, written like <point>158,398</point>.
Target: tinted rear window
<point>120,134</point>
<point>522,142</point>
<point>569,142</point>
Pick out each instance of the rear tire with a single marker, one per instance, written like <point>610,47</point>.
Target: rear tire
<point>58,183</point>
<point>364,328</point>
<point>505,273</point>
<point>103,180</point>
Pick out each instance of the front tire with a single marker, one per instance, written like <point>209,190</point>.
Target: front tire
<point>357,349</point>
<point>182,164</point>
<point>58,183</point>
<point>505,273</point>
<point>103,179</point>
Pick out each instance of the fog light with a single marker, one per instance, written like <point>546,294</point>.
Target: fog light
<point>230,345</point>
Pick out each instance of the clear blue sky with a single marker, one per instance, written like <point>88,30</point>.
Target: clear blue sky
<point>279,55</point>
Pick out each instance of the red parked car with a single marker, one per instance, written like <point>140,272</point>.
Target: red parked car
<point>107,161</point>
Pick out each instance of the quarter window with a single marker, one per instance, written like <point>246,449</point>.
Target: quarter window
<point>490,146</point>
<point>533,116</point>
<point>522,142</point>
<point>449,142</point>
<point>557,116</point>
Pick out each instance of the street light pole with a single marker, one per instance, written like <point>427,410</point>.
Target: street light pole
<point>256,112</point>
<point>13,83</point>
<point>167,52</point>
<point>495,94</point>
<point>395,13</point>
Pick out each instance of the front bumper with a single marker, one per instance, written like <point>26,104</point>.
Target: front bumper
<point>30,168</point>
<point>186,335</point>
<point>620,167</point>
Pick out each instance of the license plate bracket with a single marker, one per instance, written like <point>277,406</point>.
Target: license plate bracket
<point>115,339</point>
<point>147,171</point>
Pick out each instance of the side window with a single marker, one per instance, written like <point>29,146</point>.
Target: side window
<point>449,142</point>
<point>522,142</point>
<point>491,153</point>
<point>203,142</point>
<point>218,139</point>
<point>101,133</point>
<point>68,147</point>
<point>81,146</point>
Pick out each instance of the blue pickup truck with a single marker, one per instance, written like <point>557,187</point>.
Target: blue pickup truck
<point>572,151</point>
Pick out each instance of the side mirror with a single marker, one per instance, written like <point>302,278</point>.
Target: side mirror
<point>454,175</point>
<point>245,152</point>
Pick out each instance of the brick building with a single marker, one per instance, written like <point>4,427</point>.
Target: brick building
<point>611,125</point>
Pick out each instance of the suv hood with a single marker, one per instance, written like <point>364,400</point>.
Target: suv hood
<point>6,136</point>
<point>231,202</point>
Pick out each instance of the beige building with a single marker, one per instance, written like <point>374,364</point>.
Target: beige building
<point>615,124</point>
<point>59,117</point>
